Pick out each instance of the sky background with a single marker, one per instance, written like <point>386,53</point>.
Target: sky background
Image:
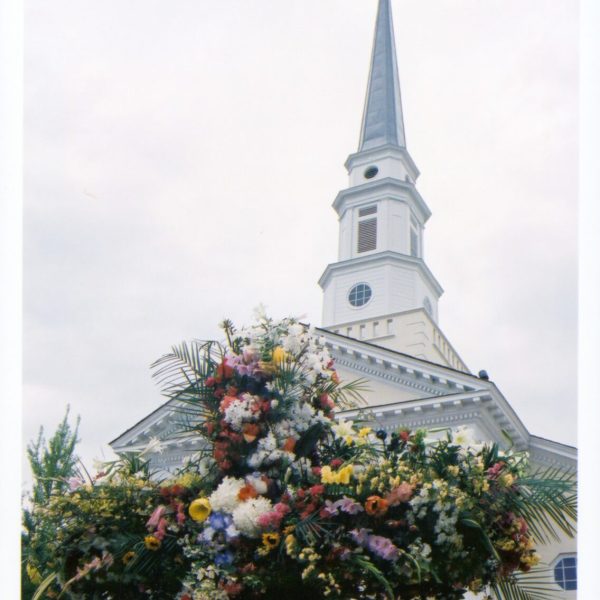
<point>181,160</point>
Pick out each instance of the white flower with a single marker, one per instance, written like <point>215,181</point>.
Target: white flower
<point>241,411</point>
<point>257,482</point>
<point>260,312</point>
<point>246,514</point>
<point>464,437</point>
<point>225,497</point>
<point>152,447</point>
<point>343,429</point>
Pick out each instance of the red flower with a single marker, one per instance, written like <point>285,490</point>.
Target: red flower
<point>226,403</point>
<point>210,382</point>
<point>233,588</point>
<point>224,371</point>
<point>336,462</point>
<point>317,490</point>
<point>405,436</point>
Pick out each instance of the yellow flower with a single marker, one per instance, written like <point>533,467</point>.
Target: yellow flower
<point>128,557</point>
<point>344,475</point>
<point>531,560</point>
<point>199,509</point>
<point>270,540</point>
<point>152,543</point>
<point>279,355</point>
<point>453,470</point>
<point>507,480</point>
<point>33,574</point>
<point>364,432</point>
<point>341,477</point>
<point>326,475</point>
<point>291,546</point>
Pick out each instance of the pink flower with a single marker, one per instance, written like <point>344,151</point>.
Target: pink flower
<point>282,508</point>
<point>161,531</point>
<point>155,517</point>
<point>75,483</point>
<point>400,494</point>
<point>494,471</point>
<point>180,516</point>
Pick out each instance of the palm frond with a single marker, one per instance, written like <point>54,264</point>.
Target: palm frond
<point>367,566</point>
<point>547,500</point>
<point>536,585</point>
<point>185,365</point>
<point>43,587</point>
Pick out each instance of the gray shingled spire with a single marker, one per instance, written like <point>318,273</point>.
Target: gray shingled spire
<point>382,118</point>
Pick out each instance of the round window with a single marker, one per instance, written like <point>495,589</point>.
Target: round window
<point>360,294</point>
<point>565,573</point>
<point>371,172</point>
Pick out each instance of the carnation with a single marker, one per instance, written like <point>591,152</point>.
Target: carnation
<point>246,515</point>
<point>225,497</point>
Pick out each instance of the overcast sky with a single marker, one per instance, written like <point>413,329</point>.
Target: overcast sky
<point>181,160</point>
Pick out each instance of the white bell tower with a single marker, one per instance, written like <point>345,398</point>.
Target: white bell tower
<point>380,289</point>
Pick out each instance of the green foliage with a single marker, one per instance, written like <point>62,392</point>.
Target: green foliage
<point>52,463</point>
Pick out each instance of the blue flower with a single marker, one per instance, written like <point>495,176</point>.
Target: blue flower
<point>219,521</point>
<point>224,559</point>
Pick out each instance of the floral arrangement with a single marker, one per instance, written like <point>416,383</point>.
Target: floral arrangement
<point>287,500</point>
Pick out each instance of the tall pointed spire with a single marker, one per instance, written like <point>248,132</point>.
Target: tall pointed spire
<point>382,117</point>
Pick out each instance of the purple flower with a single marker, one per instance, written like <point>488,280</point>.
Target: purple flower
<point>360,536</point>
<point>382,547</point>
<point>349,506</point>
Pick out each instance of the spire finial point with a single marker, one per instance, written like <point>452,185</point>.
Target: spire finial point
<point>382,117</point>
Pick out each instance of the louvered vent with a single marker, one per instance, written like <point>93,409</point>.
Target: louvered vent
<point>367,210</point>
<point>367,235</point>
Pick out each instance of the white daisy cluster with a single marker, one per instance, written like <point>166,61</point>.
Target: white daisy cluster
<point>242,410</point>
<point>296,339</point>
<point>267,452</point>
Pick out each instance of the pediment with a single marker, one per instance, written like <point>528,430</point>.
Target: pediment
<point>403,391</point>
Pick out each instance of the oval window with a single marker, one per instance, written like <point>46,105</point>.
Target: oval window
<point>371,172</point>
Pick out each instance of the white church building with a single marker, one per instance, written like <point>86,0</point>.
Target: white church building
<point>380,309</point>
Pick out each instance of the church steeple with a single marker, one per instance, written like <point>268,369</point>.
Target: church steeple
<point>382,121</point>
<point>380,288</point>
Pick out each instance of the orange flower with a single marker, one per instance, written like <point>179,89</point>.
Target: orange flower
<point>289,445</point>
<point>246,492</point>
<point>375,505</point>
<point>250,432</point>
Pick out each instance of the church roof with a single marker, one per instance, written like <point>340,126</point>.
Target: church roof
<point>446,397</point>
<point>383,122</point>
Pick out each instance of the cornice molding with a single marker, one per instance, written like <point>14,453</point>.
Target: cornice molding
<point>386,187</point>
<point>388,257</point>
